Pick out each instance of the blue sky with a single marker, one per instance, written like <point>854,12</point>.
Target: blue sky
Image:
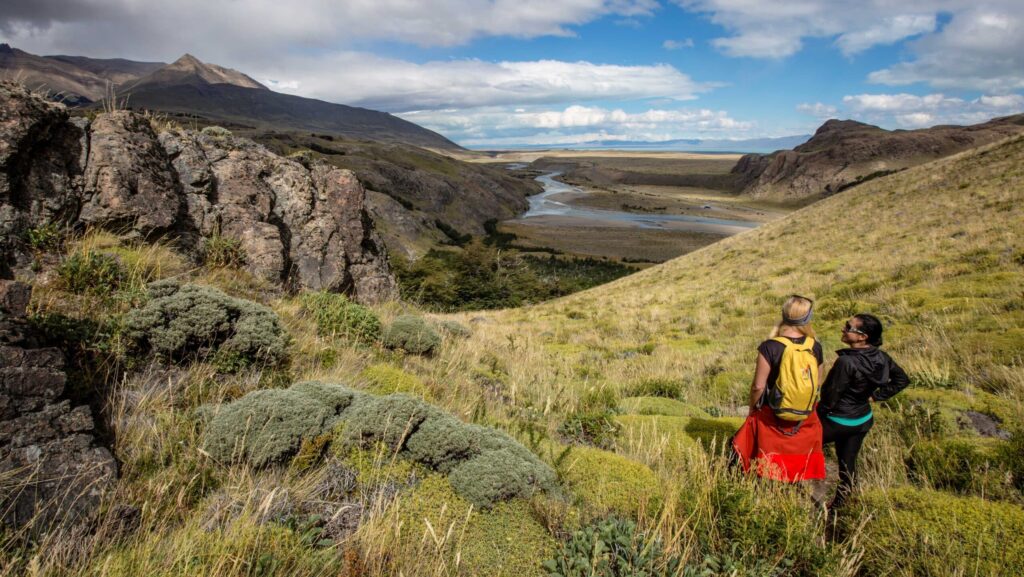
<point>504,72</point>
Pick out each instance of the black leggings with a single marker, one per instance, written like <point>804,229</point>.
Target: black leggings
<point>848,441</point>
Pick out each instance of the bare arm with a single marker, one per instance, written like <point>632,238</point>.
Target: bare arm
<point>760,382</point>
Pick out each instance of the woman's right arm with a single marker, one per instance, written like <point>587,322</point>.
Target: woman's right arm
<point>760,382</point>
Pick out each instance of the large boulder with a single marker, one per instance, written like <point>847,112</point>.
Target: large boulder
<point>52,470</point>
<point>300,225</point>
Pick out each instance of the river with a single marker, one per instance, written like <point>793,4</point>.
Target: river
<point>555,205</point>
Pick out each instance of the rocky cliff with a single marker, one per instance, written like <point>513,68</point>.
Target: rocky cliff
<point>843,153</point>
<point>300,225</point>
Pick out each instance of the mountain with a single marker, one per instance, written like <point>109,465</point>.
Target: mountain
<point>61,79</point>
<point>189,70</point>
<point>843,153</point>
<point>117,70</point>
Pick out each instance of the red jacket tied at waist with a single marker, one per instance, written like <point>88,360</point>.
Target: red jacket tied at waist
<point>776,452</point>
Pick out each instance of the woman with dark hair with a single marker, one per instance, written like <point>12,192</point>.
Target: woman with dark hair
<point>863,373</point>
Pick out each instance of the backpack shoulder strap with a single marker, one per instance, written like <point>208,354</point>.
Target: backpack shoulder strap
<point>807,345</point>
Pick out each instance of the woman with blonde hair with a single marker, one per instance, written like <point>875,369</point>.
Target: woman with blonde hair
<point>782,436</point>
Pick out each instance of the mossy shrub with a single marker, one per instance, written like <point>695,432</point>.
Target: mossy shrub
<point>504,541</point>
<point>385,379</point>
<point>91,273</point>
<point>647,431</point>
<point>923,532</point>
<point>660,406</point>
<point>264,427</point>
<point>189,321</point>
<point>388,419</point>
<point>442,443</point>
<point>657,387</point>
<point>454,329</point>
<point>606,483</point>
<point>411,334</point>
<point>336,315</point>
<point>336,397</point>
<point>501,474</point>
<point>974,466</point>
<point>594,428</point>
<point>714,432</point>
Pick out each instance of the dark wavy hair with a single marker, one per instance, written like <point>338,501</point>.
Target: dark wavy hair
<point>872,327</point>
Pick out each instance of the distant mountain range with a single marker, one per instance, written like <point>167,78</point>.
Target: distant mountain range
<point>191,87</point>
<point>681,145</point>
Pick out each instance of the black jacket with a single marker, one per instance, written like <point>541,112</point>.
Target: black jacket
<point>856,376</point>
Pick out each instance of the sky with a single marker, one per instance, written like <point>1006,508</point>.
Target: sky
<point>502,73</point>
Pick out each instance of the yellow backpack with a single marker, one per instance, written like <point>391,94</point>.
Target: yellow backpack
<point>796,391</point>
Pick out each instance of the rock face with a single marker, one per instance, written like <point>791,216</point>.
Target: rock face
<point>843,153</point>
<point>51,470</point>
<point>303,226</point>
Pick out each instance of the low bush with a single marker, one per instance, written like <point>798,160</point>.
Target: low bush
<point>661,387</point>
<point>264,427</point>
<point>612,548</point>
<point>667,434</point>
<point>972,466</point>
<point>454,329</point>
<point>660,406</point>
<point>222,251</point>
<point>714,432</point>
<point>337,398</point>
<point>335,315</point>
<point>597,429</point>
<point>386,379</point>
<point>190,321</point>
<point>441,443</point>
<point>411,334</point>
<point>389,420</point>
<point>500,475</point>
<point>922,532</point>
<point>606,483</point>
<point>91,273</point>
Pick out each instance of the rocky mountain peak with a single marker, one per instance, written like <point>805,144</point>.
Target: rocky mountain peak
<point>6,49</point>
<point>190,70</point>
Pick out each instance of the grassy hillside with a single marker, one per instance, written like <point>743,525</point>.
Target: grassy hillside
<point>625,391</point>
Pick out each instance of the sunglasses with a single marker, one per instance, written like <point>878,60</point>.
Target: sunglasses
<point>848,329</point>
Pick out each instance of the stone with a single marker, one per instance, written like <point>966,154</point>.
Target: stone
<point>14,297</point>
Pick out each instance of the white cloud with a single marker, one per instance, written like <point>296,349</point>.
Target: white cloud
<point>366,80</point>
<point>981,47</point>
<point>818,110</point>
<point>227,31</point>
<point>912,111</point>
<point>501,126</point>
<point>677,44</point>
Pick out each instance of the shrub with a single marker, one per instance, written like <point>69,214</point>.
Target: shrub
<point>386,379</point>
<point>216,131</point>
<point>337,398</point>
<point>597,429</point>
<point>91,273</point>
<point>660,406</point>
<point>969,466</point>
<point>662,387</point>
<point>441,443</point>
<point>922,532</point>
<point>336,315</point>
<point>412,335</point>
<point>505,541</point>
<point>713,432</point>
<point>611,548</point>
<point>190,321</point>
<point>607,483</point>
<point>499,475</point>
<point>264,427</point>
<point>223,251</point>
<point>389,420</point>
<point>454,329</point>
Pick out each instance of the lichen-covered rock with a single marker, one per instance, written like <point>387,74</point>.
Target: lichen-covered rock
<point>194,320</point>
<point>53,471</point>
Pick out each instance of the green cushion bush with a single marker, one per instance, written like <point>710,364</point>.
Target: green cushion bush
<point>713,432</point>
<point>336,397</point>
<point>923,532</point>
<point>264,427</point>
<point>607,483</point>
<point>656,430</point>
<point>411,334</point>
<point>336,315</point>
<point>660,406</point>
<point>499,475</point>
<point>441,443</point>
<point>657,387</point>
<point>974,466</point>
<point>188,321</point>
<point>389,419</point>
<point>385,379</point>
<point>454,329</point>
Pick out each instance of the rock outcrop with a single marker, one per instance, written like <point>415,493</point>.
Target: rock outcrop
<point>843,153</point>
<point>51,469</point>
<point>300,225</point>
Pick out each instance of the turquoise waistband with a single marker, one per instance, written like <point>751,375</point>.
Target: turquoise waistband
<point>850,422</point>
